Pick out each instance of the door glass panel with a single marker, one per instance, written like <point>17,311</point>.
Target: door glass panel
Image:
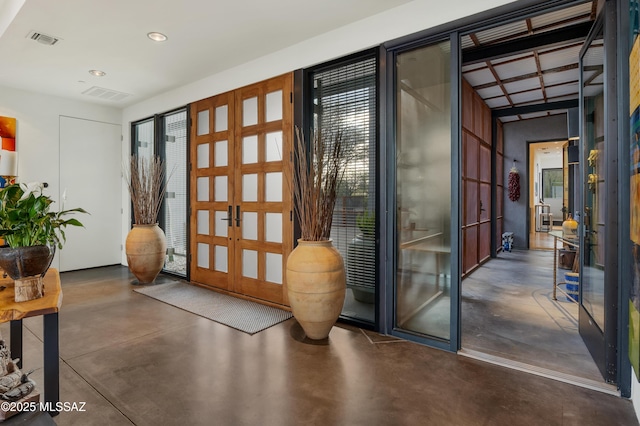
<point>250,149</point>
<point>250,112</point>
<point>423,214</point>
<point>273,187</point>
<point>221,259</point>
<point>221,154</point>
<point>174,213</point>
<point>221,224</point>
<point>274,268</point>
<point>274,106</point>
<point>250,225</point>
<point>220,188</point>
<point>203,122</point>
<point>203,255</point>
<point>203,222</point>
<point>222,118</point>
<point>595,197</point>
<point>203,188</point>
<point>203,156</point>
<point>250,187</point>
<point>273,227</point>
<point>274,146</point>
<point>250,263</point>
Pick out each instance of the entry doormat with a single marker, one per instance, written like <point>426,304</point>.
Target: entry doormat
<point>243,315</point>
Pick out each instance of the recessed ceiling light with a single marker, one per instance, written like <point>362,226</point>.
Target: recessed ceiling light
<point>156,36</point>
<point>97,73</point>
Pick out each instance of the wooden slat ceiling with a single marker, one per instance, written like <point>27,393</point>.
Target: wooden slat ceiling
<point>542,75</point>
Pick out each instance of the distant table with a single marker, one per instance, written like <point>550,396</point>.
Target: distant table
<point>573,242</point>
<point>47,306</point>
<point>425,243</point>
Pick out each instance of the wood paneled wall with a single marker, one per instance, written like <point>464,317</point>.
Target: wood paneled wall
<point>476,180</point>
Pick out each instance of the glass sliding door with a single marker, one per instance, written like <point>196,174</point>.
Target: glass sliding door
<point>595,180</point>
<point>423,191</point>
<point>599,217</point>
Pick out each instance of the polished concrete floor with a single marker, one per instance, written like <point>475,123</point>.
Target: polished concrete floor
<point>135,360</point>
<point>508,311</point>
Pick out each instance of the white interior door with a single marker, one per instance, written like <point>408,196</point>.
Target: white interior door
<point>90,173</point>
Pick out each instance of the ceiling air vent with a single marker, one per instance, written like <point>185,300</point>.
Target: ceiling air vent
<point>43,38</point>
<point>106,94</point>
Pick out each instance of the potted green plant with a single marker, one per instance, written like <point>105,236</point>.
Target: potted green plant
<point>315,269</point>
<point>31,233</point>
<point>146,244</point>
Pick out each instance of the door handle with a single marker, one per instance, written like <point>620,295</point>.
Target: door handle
<point>229,217</point>
<point>237,215</point>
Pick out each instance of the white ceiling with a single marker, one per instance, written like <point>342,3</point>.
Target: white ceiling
<point>205,37</point>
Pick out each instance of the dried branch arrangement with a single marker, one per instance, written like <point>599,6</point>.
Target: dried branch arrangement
<point>147,184</point>
<point>316,177</point>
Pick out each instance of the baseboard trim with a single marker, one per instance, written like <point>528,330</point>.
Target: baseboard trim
<point>540,371</point>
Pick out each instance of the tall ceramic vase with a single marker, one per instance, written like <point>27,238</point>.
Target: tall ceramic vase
<point>146,248</point>
<point>316,286</point>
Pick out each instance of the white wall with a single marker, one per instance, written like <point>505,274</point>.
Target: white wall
<point>38,134</point>
<point>409,18</point>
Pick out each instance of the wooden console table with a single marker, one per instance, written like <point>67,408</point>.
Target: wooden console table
<point>558,235</point>
<point>427,244</point>
<point>47,307</point>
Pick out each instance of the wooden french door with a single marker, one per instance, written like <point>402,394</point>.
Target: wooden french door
<point>476,179</point>
<point>241,211</point>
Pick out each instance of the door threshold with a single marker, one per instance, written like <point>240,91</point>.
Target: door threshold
<point>543,372</point>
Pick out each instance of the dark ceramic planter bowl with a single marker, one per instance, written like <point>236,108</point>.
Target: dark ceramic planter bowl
<point>21,262</point>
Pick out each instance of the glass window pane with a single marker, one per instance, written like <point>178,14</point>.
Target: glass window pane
<point>222,118</point>
<point>203,188</point>
<point>345,102</point>
<point>250,187</point>
<point>203,255</point>
<point>222,224</point>
<point>250,112</point>
<point>273,146</point>
<point>274,106</point>
<point>220,193</point>
<point>273,186</point>
<point>250,149</point>
<point>273,227</point>
<point>203,122</point>
<point>203,222</point>
<point>145,136</point>
<point>274,268</point>
<point>175,202</point>
<point>250,225</point>
<point>221,155</point>
<point>221,259</point>
<point>250,264</point>
<point>203,156</point>
<point>424,191</point>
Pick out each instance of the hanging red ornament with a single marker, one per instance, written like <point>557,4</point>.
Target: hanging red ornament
<point>514,184</point>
